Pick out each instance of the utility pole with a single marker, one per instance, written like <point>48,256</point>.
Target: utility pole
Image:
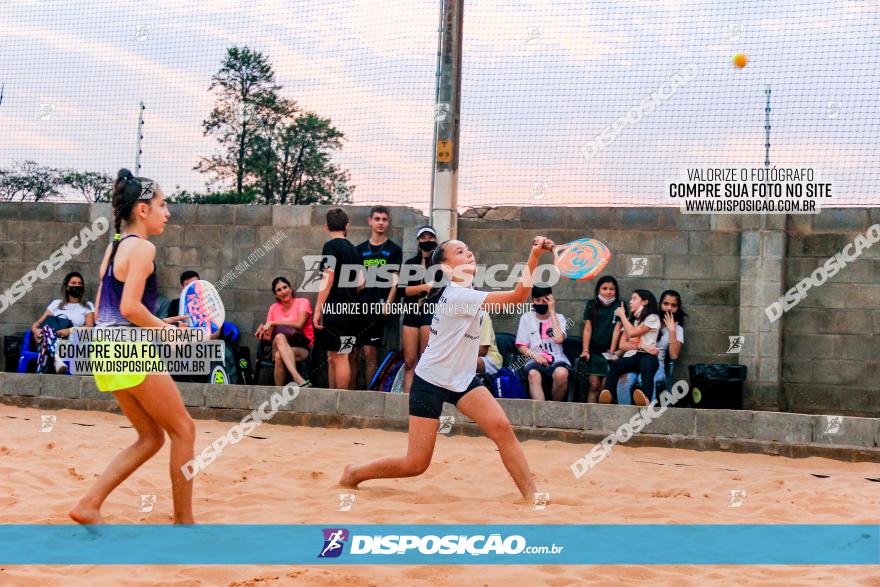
<point>767,130</point>
<point>137,158</point>
<point>444,188</point>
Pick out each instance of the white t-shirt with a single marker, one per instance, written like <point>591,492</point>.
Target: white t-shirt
<point>450,359</point>
<point>536,335</point>
<point>76,313</point>
<point>663,345</point>
<point>650,337</point>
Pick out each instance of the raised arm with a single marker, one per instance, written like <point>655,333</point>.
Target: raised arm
<point>521,292</point>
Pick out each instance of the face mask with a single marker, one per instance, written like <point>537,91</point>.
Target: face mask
<point>75,291</point>
<point>428,246</point>
<point>540,308</point>
<point>607,301</point>
<point>638,311</point>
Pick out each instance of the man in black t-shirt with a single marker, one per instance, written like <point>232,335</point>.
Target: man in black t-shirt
<point>335,314</point>
<point>376,252</point>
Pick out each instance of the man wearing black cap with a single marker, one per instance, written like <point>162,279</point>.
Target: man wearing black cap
<point>377,251</point>
<point>540,336</point>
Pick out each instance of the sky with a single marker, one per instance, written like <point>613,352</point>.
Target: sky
<point>540,80</point>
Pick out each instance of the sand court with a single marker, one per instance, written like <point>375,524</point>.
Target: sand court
<point>288,475</point>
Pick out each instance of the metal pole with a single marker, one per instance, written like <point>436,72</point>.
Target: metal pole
<point>440,30</point>
<point>767,130</point>
<point>444,196</point>
<point>137,158</point>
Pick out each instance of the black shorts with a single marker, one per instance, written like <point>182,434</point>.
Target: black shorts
<point>373,331</point>
<point>426,399</point>
<point>341,336</point>
<point>546,371</point>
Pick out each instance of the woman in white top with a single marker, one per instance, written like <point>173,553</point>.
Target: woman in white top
<point>642,333</point>
<point>71,306</point>
<point>446,372</point>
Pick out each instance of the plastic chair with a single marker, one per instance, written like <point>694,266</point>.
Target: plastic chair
<point>27,355</point>
<point>229,332</point>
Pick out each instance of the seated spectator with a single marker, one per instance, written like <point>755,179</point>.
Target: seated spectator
<point>640,334</point>
<point>60,317</point>
<point>540,336</point>
<point>186,278</point>
<point>289,327</point>
<point>489,359</point>
<point>668,347</point>
<point>601,334</point>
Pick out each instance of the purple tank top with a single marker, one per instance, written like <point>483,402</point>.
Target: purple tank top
<point>111,296</point>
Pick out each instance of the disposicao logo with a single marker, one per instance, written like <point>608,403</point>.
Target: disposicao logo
<point>334,541</point>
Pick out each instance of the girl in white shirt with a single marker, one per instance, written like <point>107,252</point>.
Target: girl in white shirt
<point>643,332</point>
<point>446,372</point>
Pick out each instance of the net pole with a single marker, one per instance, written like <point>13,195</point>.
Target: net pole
<point>444,197</point>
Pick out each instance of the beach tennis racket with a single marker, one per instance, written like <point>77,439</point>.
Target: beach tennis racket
<point>397,386</point>
<point>202,306</point>
<point>582,259</point>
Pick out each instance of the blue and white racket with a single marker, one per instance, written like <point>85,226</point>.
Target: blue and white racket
<point>202,306</point>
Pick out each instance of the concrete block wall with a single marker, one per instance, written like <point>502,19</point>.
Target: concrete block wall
<point>831,339</point>
<point>686,253</point>
<point>826,356</point>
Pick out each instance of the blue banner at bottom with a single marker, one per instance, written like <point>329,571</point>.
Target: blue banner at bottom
<point>441,544</point>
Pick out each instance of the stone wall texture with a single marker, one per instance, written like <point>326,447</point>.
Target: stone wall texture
<point>821,357</point>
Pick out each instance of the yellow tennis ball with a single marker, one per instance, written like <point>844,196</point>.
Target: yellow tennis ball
<point>740,60</point>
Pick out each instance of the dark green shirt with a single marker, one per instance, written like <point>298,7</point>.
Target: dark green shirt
<point>603,329</point>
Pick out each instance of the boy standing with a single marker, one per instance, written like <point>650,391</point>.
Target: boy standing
<point>377,251</point>
<point>335,314</point>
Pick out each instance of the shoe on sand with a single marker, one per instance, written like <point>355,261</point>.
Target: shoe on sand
<point>639,398</point>
<point>605,397</point>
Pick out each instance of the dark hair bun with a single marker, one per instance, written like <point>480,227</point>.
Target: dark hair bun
<point>124,174</point>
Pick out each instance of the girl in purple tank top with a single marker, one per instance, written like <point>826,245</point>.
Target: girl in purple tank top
<point>152,402</point>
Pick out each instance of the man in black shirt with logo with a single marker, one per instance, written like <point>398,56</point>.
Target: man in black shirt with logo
<point>376,252</point>
<point>335,314</point>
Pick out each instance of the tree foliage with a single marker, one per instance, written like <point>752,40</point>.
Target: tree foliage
<point>266,143</point>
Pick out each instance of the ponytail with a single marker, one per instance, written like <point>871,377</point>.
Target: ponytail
<point>128,190</point>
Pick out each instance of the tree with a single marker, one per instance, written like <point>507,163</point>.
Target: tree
<point>233,197</point>
<point>93,185</point>
<point>266,143</point>
<point>30,182</point>
<point>247,96</point>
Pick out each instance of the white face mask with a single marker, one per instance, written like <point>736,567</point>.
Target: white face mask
<point>638,311</point>
<point>607,301</point>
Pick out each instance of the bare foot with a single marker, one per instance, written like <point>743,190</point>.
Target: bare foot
<point>84,515</point>
<point>347,479</point>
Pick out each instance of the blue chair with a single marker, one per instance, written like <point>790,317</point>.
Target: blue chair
<point>27,355</point>
<point>229,332</point>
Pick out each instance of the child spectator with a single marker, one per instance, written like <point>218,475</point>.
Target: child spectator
<point>641,334</point>
<point>540,336</point>
<point>601,334</point>
<point>489,359</point>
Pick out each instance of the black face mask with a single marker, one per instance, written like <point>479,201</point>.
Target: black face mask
<point>428,246</point>
<point>75,291</point>
<point>540,308</point>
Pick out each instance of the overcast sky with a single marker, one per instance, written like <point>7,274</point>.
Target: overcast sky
<point>541,79</point>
